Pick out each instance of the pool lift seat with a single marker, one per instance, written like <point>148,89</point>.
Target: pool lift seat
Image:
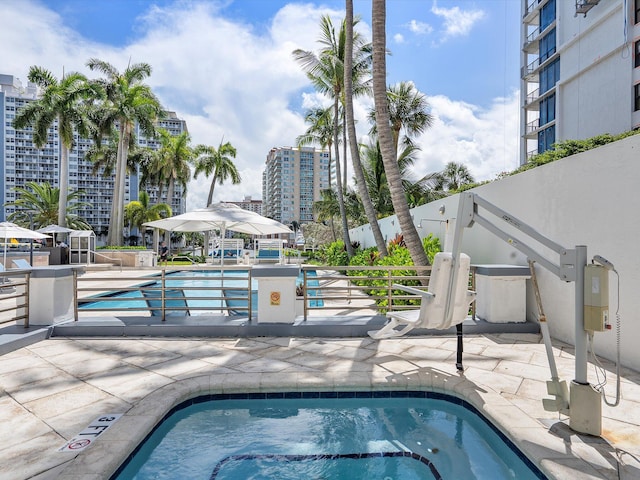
<point>175,303</point>
<point>433,306</point>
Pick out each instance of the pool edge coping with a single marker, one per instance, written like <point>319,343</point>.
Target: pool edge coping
<point>104,457</point>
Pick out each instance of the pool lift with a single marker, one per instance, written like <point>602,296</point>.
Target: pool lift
<point>582,402</point>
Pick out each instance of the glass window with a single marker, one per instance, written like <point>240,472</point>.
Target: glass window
<point>547,14</point>
<point>636,97</point>
<point>546,138</point>
<point>549,76</point>
<point>548,45</point>
<point>637,10</point>
<point>548,109</point>
<point>637,53</point>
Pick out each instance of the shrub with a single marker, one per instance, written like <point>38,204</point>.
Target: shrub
<point>335,254</point>
<point>431,246</point>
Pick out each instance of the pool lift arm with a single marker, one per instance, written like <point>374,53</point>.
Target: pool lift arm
<point>584,405</point>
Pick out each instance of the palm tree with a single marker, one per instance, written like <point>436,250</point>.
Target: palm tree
<point>172,162</point>
<point>103,155</point>
<point>217,164</point>
<point>385,135</point>
<point>127,101</point>
<point>140,211</point>
<point>325,209</point>
<point>61,103</point>
<point>408,111</point>
<point>416,192</point>
<point>326,72</point>
<point>361,184</point>
<point>454,176</point>
<point>37,205</point>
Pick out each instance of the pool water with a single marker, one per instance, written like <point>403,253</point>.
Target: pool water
<point>134,299</point>
<point>399,438</point>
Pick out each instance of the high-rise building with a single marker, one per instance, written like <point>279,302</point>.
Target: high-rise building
<point>580,75</point>
<point>22,162</point>
<point>292,181</point>
<point>250,204</point>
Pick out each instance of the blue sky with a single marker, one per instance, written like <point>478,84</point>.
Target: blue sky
<point>226,68</point>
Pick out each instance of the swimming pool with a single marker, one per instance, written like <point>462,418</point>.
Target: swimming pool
<point>322,435</point>
<point>208,284</point>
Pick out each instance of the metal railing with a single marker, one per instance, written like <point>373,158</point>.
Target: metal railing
<point>340,290</point>
<point>14,297</point>
<point>108,258</point>
<point>207,293</point>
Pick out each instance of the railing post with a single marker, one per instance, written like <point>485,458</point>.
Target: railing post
<point>162,284</point>
<point>26,299</point>
<point>75,295</point>
<point>389,296</point>
<point>304,295</point>
<point>249,295</point>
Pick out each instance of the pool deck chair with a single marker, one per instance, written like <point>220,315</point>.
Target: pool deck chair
<point>175,303</point>
<point>22,264</point>
<point>432,312</point>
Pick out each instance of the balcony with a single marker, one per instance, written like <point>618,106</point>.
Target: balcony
<point>583,6</point>
<point>532,126</point>
<point>532,97</point>
<point>532,12</point>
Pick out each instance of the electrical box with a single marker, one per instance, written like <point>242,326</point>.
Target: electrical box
<point>596,298</point>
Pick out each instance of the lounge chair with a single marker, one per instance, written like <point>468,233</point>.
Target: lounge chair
<point>22,264</point>
<point>434,301</point>
<point>175,303</point>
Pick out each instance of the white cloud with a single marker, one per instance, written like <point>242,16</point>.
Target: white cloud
<point>228,80</point>
<point>457,22</point>
<point>420,28</point>
<point>486,141</point>
<point>398,38</point>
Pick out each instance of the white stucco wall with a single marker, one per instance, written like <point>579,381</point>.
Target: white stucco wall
<point>588,199</point>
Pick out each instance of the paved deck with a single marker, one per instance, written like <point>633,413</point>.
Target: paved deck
<point>51,390</point>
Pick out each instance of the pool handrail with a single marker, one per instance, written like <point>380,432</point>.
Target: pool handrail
<point>166,302</point>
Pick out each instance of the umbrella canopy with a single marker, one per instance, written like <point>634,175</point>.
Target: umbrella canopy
<point>10,230</point>
<point>55,229</point>
<point>221,216</point>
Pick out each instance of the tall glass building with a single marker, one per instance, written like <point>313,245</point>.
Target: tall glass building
<point>22,162</point>
<point>579,70</point>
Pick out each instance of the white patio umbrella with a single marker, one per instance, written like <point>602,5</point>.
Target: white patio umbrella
<point>55,229</point>
<point>10,230</point>
<point>221,216</point>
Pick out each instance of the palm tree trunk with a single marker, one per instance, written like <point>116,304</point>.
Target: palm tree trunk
<point>114,235</point>
<point>361,184</point>
<point>339,191</point>
<point>171,192</point>
<point>63,184</point>
<point>209,202</point>
<point>344,152</point>
<point>211,188</point>
<point>394,179</point>
<point>121,177</point>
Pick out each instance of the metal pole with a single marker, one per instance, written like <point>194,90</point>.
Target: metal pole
<point>581,333</point>
<point>31,240</point>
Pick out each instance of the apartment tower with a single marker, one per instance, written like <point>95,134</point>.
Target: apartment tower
<point>579,70</point>
<point>22,162</point>
<point>292,181</point>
